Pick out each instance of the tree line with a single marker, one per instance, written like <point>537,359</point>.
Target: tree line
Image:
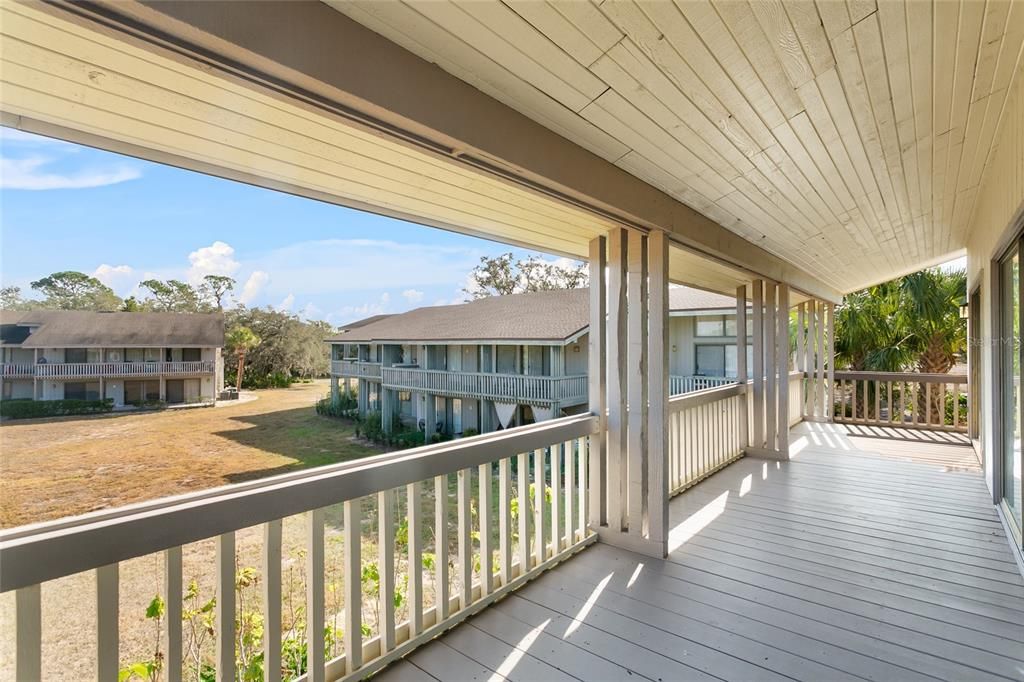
<point>272,348</point>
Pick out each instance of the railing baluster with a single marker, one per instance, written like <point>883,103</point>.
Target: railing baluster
<point>539,489</point>
<point>271,601</point>
<point>484,514</point>
<point>386,568</point>
<point>353,539</point>
<point>225,608</point>
<point>414,593</point>
<point>107,617</point>
<point>928,402</point>
<point>441,546</point>
<point>955,390</point>
<point>29,634</point>
<point>570,490</point>
<point>172,638</point>
<point>556,499</point>
<point>583,448</point>
<point>465,477</point>
<point>878,403</point>
<point>315,595</point>
<point>523,505</point>
<point>505,520</point>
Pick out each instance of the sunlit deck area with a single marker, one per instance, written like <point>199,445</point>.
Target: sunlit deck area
<point>847,562</point>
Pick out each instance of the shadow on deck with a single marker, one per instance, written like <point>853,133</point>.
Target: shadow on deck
<point>847,562</point>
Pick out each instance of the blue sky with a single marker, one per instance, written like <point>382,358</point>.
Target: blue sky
<point>68,207</point>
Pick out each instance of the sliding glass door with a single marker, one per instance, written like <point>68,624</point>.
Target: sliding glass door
<point>1010,385</point>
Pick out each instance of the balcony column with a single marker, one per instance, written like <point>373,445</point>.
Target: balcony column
<point>386,409</point>
<point>429,416</point>
<point>741,358</point>
<point>830,355</point>
<point>629,492</point>
<point>770,438</point>
<point>334,389</point>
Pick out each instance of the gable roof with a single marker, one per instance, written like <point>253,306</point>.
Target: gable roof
<point>87,329</point>
<point>537,316</point>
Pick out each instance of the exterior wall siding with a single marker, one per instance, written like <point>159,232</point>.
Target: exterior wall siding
<point>998,207</point>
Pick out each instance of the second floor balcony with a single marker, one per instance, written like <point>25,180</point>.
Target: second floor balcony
<point>74,370</point>
<point>531,390</point>
<point>360,369</point>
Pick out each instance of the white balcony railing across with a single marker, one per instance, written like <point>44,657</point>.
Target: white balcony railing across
<point>356,368</point>
<point>541,390</point>
<point>13,370</point>
<point>677,385</point>
<point>72,370</point>
<point>936,402</point>
<point>453,500</point>
<point>705,431</point>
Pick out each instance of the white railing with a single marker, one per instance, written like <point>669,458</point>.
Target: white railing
<point>677,385</point>
<point>540,390</point>
<point>72,370</point>
<point>705,433</point>
<point>356,368</point>
<point>936,402</point>
<point>12,370</point>
<point>498,508</point>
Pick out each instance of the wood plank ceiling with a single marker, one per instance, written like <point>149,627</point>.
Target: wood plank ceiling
<point>848,138</point>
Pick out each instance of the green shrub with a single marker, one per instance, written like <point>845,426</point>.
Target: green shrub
<point>467,433</point>
<point>30,409</point>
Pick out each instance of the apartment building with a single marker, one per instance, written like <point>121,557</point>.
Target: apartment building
<point>130,358</point>
<point>511,360</point>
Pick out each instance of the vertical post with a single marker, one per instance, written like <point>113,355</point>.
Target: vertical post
<point>429,417</point>
<point>353,632</point>
<point>315,595</point>
<point>271,601</point>
<point>598,380</point>
<point>801,358</point>
<point>29,634</point>
<point>414,593</point>
<point>616,377</point>
<point>758,364</point>
<point>386,410</point>
<point>771,368</point>
<point>830,353</point>
<point>820,387</point>
<point>635,369</point>
<point>741,359</point>
<point>782,348</point>
<point>810,361</point>
<point>108,618</point>
<point>225,609</point>
<point>657,387</point>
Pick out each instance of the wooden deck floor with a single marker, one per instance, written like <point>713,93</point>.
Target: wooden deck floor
<point>842,563</point>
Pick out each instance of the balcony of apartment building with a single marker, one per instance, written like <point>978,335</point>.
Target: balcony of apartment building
<point>756,530</point>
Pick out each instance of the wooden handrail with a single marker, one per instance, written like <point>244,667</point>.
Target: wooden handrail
<point>52,550</point>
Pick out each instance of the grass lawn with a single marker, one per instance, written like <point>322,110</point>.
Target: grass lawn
<point>50,468</point>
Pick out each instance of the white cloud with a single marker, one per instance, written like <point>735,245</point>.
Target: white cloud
<point>368,309</point>
<point>253,286</point>
<point>29,173</point>
<point>117,277</point>
<point>215,259</point>
<point>287,303</point>
<point>310,312</point>
<point>413,295</point>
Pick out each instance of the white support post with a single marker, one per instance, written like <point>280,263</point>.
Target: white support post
<point>800,353</point>
<point>616,378</point>
<point>820,388</point>
<point>657,387</point>
<point>782,362</point>
<point>830,355</point>
<point>598,381</point>
<point>429,417</point>
<point>758,410</point>
<point>771,372</point>
<point>810,358</point>
<point>741,359</point>
<point>635,369</point>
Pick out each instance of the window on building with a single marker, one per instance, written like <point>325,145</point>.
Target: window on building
<point>711,360</point>
<point>191,354</point>
<point>152,354</point>
<point>134,355</point>
<point>114,355</point>
<point>138,392</point>
<point>82,390</point>
<point>710,325</point>
<point>75,355</point>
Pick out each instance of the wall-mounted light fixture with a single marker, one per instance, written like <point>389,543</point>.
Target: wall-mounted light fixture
<point>576,348</point>
<point>964,308</point>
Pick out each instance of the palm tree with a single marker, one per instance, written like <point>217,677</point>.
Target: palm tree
<point>909,324</point>
<point>241,340</point>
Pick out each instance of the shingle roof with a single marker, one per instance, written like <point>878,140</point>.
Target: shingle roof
<point>538,316</point>
<point>84,329</point>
